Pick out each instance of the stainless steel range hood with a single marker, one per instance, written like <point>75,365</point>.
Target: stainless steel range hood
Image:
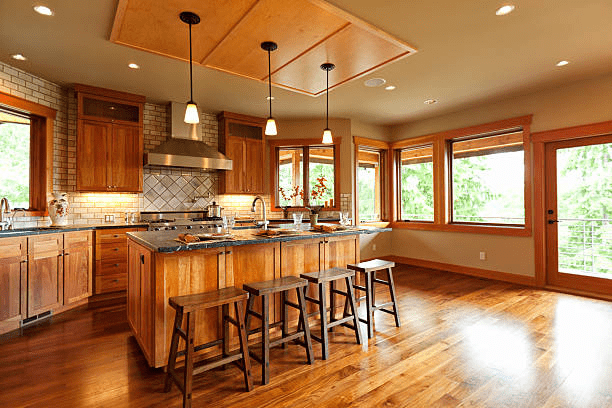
<point>185,147</point>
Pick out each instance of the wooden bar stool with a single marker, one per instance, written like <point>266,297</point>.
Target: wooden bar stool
<point>369,270</point>
<point>264,290</point>
<point>320,279</point>
<point>187,305</point>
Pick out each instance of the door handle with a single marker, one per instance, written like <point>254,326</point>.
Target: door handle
<point>552,221</point>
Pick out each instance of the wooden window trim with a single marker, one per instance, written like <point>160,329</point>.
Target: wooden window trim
<point>385,200</point>
<point>442,179</point>
<point>41,150</point>
<point>274,144</point>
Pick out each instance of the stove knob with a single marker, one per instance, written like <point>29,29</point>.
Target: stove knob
<point>173,227</point>
<point>156,229</point>
<point>189,226</point>
<point>202,226</point>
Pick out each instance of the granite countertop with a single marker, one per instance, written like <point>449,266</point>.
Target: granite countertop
<point>19,232</point>
<point>165,241</point>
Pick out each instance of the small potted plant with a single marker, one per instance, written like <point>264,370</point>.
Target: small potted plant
<point>316,193</point>
<point>289,196</point>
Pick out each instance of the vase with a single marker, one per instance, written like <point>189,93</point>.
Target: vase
<point>58,209</point>
<point>314,219</point>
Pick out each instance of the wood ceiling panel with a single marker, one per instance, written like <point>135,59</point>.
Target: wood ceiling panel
<point>355,52</point>
<point>228,38</point>
<point>272,20</point>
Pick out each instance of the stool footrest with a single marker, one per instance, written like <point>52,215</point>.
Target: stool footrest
<point>209,365</point>
<point>293,305</point>
<point>339,292</point>
<point>340,321</point>
<point>254,313</point>
<point>384,282</point>
<point>201,347</point>
<point>177,380</point>
<point>232,321</point>
<point>313,300</point>
<point>380,307</point>
<point>181,333</point>
<point>359,287</point>
<point>286,339</point>
<point>391,312</point>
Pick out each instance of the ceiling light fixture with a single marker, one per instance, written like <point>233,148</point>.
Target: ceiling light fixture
<point>562,63</point>
<point>327,134</point>
<point>390,87</point>
<point>191,112</point>
<point>374,82</point>
<point>44,10</point>
<point>19,57</point>
<point>271,123</point>
<point>430,101</point>
<point>504,10</point>
<point>133,65</point>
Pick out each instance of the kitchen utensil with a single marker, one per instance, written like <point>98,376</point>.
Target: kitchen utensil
<point>214,210</point>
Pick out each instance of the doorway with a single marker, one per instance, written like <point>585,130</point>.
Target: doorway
<point>579,214</point>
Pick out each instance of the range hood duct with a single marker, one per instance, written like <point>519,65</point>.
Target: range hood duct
<point>185,147</point>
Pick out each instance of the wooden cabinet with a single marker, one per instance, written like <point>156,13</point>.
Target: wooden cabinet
<point>111,260</point>
<point>109,140</point>
<point>45,273</point>
<point>13,280</point>
<point>140,306</point>
<point>78,276</point>
<point>242,140</point>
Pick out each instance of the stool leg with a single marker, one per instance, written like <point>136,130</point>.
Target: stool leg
<point>393,297</point>
<point>373,287</point>
<point>189,359</point>
<point>304,319</point>
<point>284,316</point>
<point>244,346</point>
<point>369,310</point>
<point>178,321</point>
<point>247,322</point>
<point>265,341</point>
<point>323,314</point>
<point>332,303</point>
<point>226,330</point>
<point>350,300</point>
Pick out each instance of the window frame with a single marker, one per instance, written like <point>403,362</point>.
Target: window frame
<point>383,148</point>
<point>302,143</point>
<point>41,149</point>
<point>442,183</point>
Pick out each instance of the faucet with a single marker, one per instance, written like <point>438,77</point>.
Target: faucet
<point>265,222</point>
<point>15,211</point>
<point>5,208</point>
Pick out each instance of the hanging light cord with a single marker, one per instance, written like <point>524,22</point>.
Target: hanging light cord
<point>327,102</point>
<point>190,66</point>
<point>270,81</point>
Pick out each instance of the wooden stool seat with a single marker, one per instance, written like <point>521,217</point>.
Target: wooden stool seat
<point>189,304</point>
<point>264,290</point>
<point>369,269</point>
<point>321,279</point>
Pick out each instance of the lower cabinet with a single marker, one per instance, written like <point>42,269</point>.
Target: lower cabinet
<point>45,273</point>
<point>13,281</point>
<point>78,279</point>
<point>140,296</point>
<point>111,260</point>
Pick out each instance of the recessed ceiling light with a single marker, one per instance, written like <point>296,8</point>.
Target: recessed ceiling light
<point>268,98</point>
<point>390,87</point>
<point>430,101</point>
<point>374,82</point>
<point>133,65</point>
<point>504,10</point>
<point>44,10</point>
<point>19,57</point>
<point>562,63</point>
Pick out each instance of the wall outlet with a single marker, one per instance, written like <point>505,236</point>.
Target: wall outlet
<point>109,217</point>
<point>373,247</point>
<point>483,256</point>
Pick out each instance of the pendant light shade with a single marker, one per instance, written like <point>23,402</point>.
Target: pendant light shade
<point>191,112</point>
<point>271,123</point>
<point>327,133</point>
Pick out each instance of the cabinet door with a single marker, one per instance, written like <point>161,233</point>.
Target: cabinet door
<point>234,179</point>
<point>13,277</point>
<point>133,287</point>
<point>254,166</point>
<point>125,159</point>
<point>77,266</point>
<point>45,283</point>
<point>92,151</point>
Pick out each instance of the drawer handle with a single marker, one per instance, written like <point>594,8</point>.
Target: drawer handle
<point>115,280</point>
<point>116,265</point>
<point>116,236</point>
<point>115,249</point>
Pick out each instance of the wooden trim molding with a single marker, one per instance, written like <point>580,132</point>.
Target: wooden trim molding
<point>383,149</point>
<point>27,106</point>
<point>465,270</point>
<point>574,132</point>
<point>109,93</point>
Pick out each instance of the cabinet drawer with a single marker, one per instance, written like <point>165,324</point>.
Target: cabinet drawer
<point>110,267</point>
<point>112,236</point>
<point>110,283</point>
<point>77,239</point>
<point>13,247</point>
<point>113,250</point>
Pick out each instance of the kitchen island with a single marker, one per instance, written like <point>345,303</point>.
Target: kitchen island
<point>160,267</point>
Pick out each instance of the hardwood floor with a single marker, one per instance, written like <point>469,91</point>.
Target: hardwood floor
<point>463,342</point>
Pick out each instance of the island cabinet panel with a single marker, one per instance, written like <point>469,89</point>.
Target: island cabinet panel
<point>339,252</point>
<point>45,274</point>
<point>13,280</point>
<point>302,256</point>
<point>78,270</point>
<point>141,295</point>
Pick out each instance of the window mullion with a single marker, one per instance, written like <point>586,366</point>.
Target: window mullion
<point>306,189</point>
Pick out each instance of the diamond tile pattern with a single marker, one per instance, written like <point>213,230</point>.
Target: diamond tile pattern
<point>169,190</point>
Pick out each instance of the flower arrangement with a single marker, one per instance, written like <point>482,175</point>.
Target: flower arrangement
<point>317,192</point>
<point>293,192</point>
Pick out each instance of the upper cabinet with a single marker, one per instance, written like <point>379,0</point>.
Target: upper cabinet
<point>242,140</point>
<point>109,140</point>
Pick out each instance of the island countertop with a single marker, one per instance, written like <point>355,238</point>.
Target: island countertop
<point>166,241</point>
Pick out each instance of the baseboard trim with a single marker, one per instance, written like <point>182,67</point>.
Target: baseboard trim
<point>464,270</point>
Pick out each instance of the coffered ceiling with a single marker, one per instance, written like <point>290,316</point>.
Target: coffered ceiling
<point>466,55</point>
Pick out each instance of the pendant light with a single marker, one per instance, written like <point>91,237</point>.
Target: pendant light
<point>271,123</point>
<point>191,112</point>
<point>327,134</point>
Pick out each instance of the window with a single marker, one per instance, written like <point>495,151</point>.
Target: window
<point>371,179</point>
<point>416,183</point>
<point>475,179</point>
<point>488,179</point>
<point>312,165</point>
<point>15,168</point>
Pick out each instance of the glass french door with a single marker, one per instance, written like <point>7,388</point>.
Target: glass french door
<point>579,214</point>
